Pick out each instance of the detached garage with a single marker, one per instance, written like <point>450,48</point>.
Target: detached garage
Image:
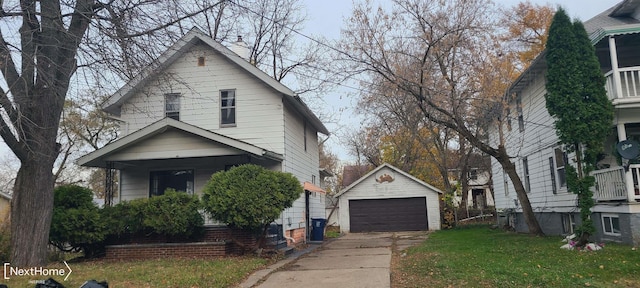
<point>388,199</point>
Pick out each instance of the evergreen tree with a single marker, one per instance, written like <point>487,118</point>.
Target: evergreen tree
<point>577,98</point>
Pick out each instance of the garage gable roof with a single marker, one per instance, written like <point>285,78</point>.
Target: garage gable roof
<point>387,165</point>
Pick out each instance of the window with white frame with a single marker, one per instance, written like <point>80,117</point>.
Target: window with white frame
<point>473,174</point>
<point>557,165</point>
<point>172,105</point>
<point>525,170</point>
<point>227,108</point>
<point>611,224</point>
<point>180,180</point>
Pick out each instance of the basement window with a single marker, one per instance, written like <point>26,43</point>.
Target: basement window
<point>611,224</point>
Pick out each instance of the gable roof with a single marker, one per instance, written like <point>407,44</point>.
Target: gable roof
<point>397,170</point>
<point>193,37</point>
<point>95,158</point>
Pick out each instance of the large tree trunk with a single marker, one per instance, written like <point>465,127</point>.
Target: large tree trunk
<point>31,212</point>
<point>527,211</point>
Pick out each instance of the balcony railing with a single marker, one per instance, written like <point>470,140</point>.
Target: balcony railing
<point>629,83</point>
<point>611,184</point>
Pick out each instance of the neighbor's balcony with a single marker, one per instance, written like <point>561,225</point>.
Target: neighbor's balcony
<point>611,184</point>
<point>629,85</point>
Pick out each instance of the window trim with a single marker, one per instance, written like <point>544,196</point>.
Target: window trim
<point>569,227</point>
<point>559,185</point>
<point>171,113</point>
<point>611,217</point>
<point>525,171</point>
<point>505,180</point>
<point>224,108</point>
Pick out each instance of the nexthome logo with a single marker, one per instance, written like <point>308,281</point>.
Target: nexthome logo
<point>10,271</point>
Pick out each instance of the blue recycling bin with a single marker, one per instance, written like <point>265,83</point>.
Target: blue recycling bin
<point>317,232</point>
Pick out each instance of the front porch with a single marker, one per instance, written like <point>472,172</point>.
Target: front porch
<point>616,184</point>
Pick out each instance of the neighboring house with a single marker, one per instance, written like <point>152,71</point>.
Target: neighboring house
<point>200,108</point>
<point>5,207</point>
<point>389,199</point>
<point>479,194</point>
<point>541,162</point>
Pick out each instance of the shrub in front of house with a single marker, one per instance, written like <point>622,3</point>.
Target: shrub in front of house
<point>76,224</point>
<point>249,197</point>
<point>174,214</point>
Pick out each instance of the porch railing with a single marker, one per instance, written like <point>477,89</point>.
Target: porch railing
<point>610,184</point>
<point>629,82</point>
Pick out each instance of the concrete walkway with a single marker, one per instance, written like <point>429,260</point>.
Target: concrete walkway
<point>353,260</point>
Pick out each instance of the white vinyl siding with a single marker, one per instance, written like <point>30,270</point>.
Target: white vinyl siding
<point>536,143</point>
<point>259,112</point>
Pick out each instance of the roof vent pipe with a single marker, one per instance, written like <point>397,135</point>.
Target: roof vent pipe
<point>241,48</point>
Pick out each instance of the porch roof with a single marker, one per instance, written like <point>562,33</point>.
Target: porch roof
<point>210,144</point>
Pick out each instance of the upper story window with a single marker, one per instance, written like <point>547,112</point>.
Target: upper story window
<point>172,105</point>
<point>473,174</point>
<point>227,108</point>
<point>304,133</point>
<point>520,113</point>
<point>557,165</point>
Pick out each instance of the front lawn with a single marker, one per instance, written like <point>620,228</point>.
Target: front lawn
<point>223,272</point>
<point>481,257</point>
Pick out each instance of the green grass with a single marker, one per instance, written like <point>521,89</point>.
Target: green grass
<point>222,272</point>
<point>480,257</point>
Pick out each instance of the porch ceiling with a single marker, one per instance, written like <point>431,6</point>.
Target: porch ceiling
<point>171,139</point>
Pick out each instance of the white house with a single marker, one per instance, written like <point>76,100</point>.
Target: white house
<point>201,108</point>
<point>541,162</point>
<point>388,199</point>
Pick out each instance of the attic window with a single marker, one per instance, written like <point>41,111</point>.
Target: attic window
<point>227,108</point>
<point>201,61</point>
<point>172,105</point>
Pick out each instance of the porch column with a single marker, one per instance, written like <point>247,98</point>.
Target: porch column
<point>614,67</point>
<point>622,135</point>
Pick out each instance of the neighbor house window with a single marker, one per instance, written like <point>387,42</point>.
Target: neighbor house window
<point>552,170</point>
<point>180,180</point>
<point>520,114</point>
<point>304,132</point>
<point>473,174</point>
<point>525,170</point>
<point>611,224</point>
<point>560,161</point>
<point>172,105</point>
<point>228,108</point>
<point>505,179</point>
<point>568,225</point>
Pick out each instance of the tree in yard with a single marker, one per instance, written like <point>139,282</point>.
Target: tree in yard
<point>438,54</point>
<point>249,197</point>
<point>526,34</point>
<point>577,98</point>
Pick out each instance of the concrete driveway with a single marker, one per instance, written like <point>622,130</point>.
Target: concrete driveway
<point>353,260</point>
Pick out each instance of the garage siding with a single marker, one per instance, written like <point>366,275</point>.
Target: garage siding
<point>388,215</point>
<point>401,187</point>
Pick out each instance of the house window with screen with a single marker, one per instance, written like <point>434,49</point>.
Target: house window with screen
<point>172,105</point>
<point>227,108</point>
<point>180,180</point>
<point>611,224</point>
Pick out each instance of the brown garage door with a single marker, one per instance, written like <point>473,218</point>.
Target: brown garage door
<point>382,215</point>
